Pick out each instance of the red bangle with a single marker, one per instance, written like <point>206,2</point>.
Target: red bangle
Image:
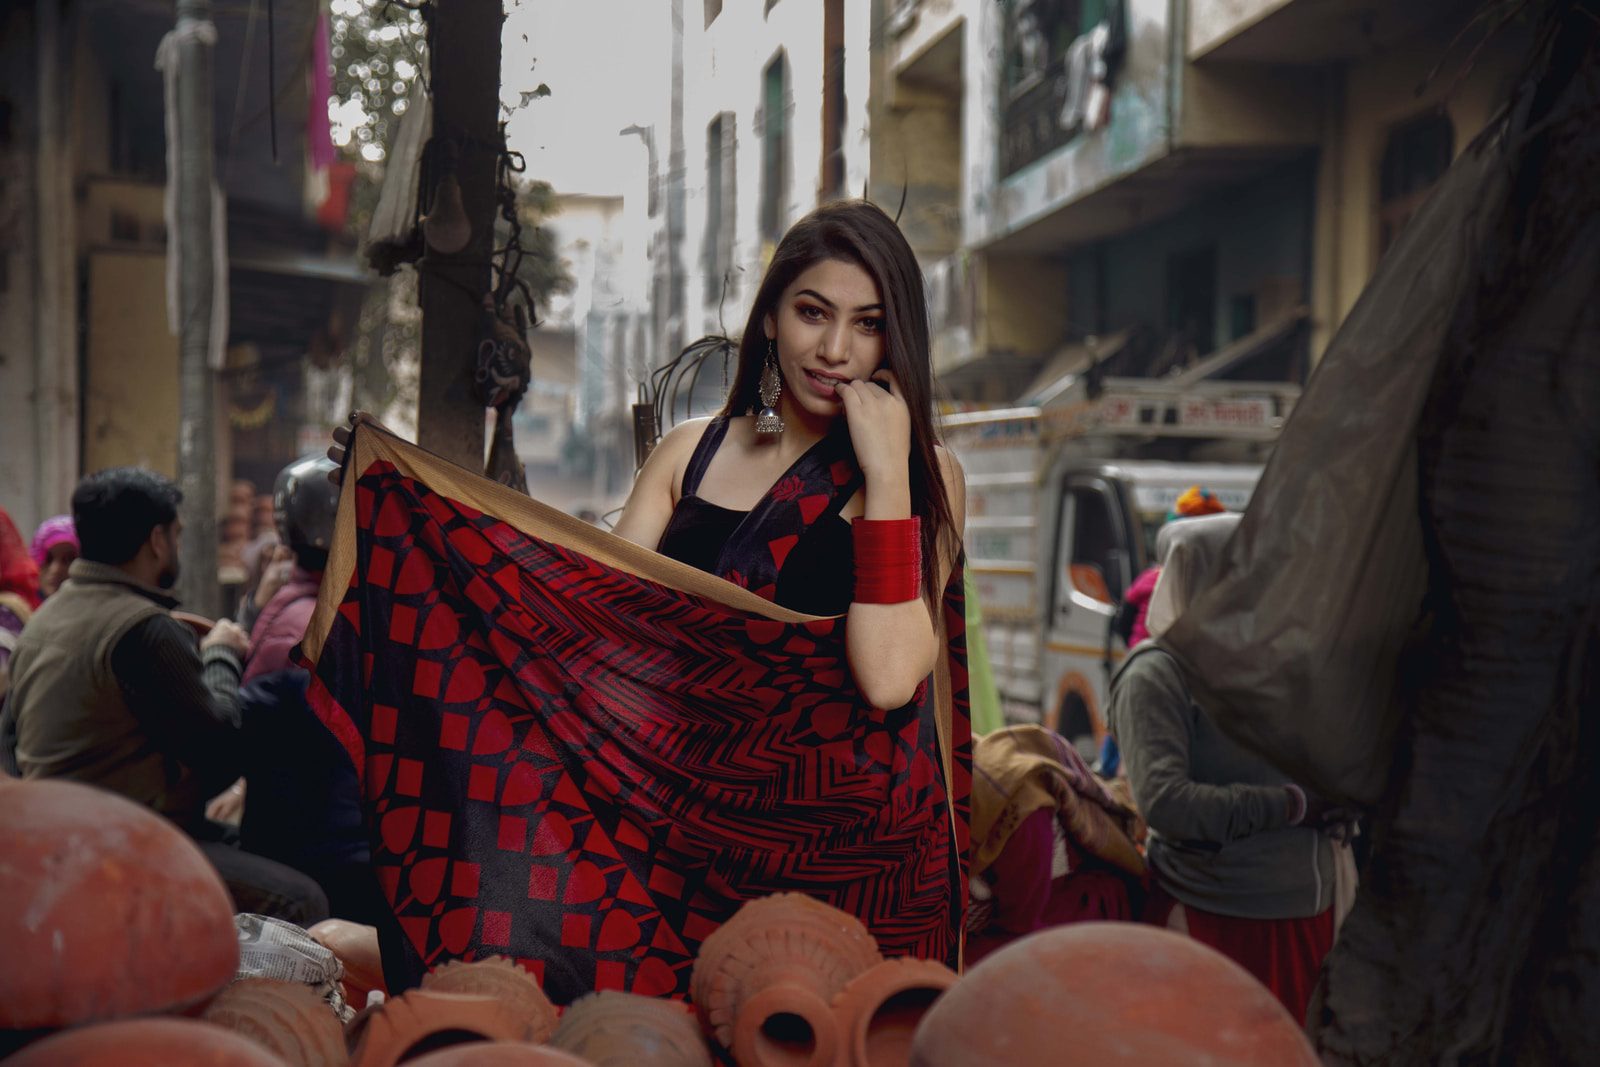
<point>888,560</point>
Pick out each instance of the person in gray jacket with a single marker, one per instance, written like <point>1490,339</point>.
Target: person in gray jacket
<point>1242,858</point>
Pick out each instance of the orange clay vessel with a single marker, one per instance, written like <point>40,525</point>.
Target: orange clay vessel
<point>145,1043</point>
<point>612,1029</point>
<point>111,910</point>
<point>503,1054</point>
<point>501,978</point>
<point>422,1020</point>
<point>880,1009</point>
<point>765,981</point>
<point>286,1018</point>
<point>1109,993</point>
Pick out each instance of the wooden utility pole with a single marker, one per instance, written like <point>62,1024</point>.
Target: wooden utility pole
<point>465,48</point>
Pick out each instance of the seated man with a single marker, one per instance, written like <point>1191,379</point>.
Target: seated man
<point>108,689</point>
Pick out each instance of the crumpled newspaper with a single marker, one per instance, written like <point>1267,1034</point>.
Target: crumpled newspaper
<point>272,948</point>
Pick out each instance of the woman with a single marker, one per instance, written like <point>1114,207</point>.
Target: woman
<point>1242,861</point>
<point>54,547</point>
<point>832,500</point>
<point>835,355</point>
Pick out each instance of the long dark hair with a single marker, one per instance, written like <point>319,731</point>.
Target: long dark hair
<point>858,232</point>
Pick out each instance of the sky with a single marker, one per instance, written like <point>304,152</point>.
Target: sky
<point>585,51</point>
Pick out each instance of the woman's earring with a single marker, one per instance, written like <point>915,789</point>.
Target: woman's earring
<point>771,387</point>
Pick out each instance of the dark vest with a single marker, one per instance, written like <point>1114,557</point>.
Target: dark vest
<point>72,720</point>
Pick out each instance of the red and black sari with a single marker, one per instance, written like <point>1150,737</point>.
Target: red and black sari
<point>584,755</point>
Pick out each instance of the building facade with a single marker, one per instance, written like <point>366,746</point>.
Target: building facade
<point>1146,184</point>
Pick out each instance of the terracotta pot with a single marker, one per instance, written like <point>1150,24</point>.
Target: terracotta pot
<point>356,946</point>
<point>1110,993</point>
<point>764,981</point>
<point>504,1054</point>
<point>286,1018</point>
<point>502,979</point>
<point>613,1029</point>
<point>110,911</point>
<point>421,1021</point>
<point>145,1043</point>
<point>880,1009</point>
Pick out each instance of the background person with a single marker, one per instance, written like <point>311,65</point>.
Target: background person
<point>109,690</point>
<point>54,547</point>
<point>1243,860</point>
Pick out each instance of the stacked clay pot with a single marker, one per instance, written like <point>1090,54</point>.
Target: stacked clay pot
<point>145,1043</point>
<point>423,1020</point>
<point>501,979</point>
<point>286,1018</point>
<point>1114,993</point>
<point>612,1029</point>
<point>503,1054</point>
<point>110,911</point>
<point>765,981</point>
<point>880,1010</point>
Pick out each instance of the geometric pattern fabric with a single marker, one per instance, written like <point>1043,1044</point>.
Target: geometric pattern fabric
<point>589,771</point>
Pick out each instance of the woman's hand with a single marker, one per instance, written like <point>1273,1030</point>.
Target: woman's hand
<point>341,441</point>
<point>880,431</point>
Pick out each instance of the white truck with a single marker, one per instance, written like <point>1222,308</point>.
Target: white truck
<point>1062,512</point>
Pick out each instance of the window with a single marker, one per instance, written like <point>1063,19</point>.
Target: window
<point>1192,301</point>
<point>1415,158</point>
<point>713,9</point>
<point>717,251</point>
<point>774,147</point>
<point>1091,559</point>
<point>833,104</point>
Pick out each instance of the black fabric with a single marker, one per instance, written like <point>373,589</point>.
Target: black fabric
<point>188,702</point>
<point>304,803</point>
<point>817,576</point>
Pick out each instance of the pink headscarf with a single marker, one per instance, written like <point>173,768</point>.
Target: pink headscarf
<point>53,532</point>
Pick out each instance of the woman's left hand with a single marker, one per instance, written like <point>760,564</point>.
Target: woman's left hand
<point>880,426</point>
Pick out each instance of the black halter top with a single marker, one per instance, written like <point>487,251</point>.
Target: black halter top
<point>793,547</point>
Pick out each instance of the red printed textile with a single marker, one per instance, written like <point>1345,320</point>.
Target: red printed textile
<point>589,770</point>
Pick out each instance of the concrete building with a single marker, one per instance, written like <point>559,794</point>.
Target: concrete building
<point>1149,183</point>
<point>775,123</point>
<point>88,362</point>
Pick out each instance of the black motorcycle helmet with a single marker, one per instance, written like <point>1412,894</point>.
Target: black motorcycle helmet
<point>305,505</point>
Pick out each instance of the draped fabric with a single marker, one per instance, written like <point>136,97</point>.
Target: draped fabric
<point>584,755</point>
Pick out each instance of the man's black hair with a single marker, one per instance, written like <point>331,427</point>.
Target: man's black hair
<point>115,510</point>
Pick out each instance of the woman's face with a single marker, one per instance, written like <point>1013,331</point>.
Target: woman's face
<point>54,571</point>
<point>829,328</point>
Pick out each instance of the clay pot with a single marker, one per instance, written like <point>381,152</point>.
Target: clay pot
<point>110,911</point>
<point>502,979</point>
<point>286,1018</point>
<point>879,1010</point>
<point>145,1043</point>
<point>422,1020</point>
<point>504,1054</point>
<point>1111,993</point>
<point>356,946</point>
<point>613,1029</point>
<point>765,980</point>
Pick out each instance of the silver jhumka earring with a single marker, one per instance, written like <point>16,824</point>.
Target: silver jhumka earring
<point>768,420</point>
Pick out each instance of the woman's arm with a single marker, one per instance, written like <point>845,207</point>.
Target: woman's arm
<point>655,491</point>
<point>1150,715</point>
<point>893,647</point>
